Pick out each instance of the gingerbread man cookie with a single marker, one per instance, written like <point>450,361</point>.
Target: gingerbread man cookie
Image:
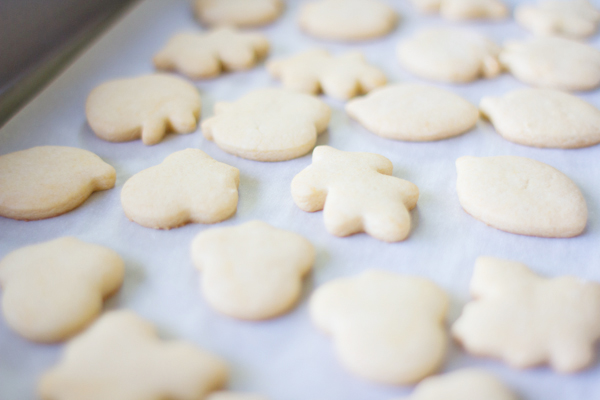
<point>242,13</point>
<point>574,18</point>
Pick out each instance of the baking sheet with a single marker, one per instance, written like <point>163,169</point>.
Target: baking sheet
<point>287,358</point>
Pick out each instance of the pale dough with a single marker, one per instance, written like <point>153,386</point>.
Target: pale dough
<point>386,328</point>
<point>527,320</point>
<point>268,124</point>
<point>357,193</point>
<point>188,186</point>
<point>574,18</point>
<point>341,77</point>
<point>449,55</point>
<point>520,195</point>
<point>242,13</point>
<point>414,112</point>
<point>46,181</point>
<point>464,9</point>
<point>121,357</point>
<point>145,107</point>
<point>252,271</point>
<point>544,118</point>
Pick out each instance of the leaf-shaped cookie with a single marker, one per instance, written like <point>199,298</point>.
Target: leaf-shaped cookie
<point>46,181</point>
<point>242,13</point>
<point>188,186</point>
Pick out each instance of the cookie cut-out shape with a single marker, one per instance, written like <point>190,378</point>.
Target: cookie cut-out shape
<point>464,9</point>
<point>347,20</point>
<point>145,107</point>
<point>225,395</point>
<point>464,384</point>
<point>121,357</point>
<point>268,125</point>
<point>553,62</point>
<point>53,290</point>
<point>574,18</point>
<point>520,195</point>
<point>241,13</point>
<point>527,320</point>
<point>341,77</point>
<point>206,55</point>
<point>414,112</point>
<point>46,181</point>
<point>449,55</point>
<point>544,118</point>
<point>361,193</point>
<point>387,328</point>
<point>253,271</point>
<point>188,186</point>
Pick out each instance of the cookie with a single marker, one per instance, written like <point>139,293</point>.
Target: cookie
<point>252,271</point>
<point>414,112</point>
<point>527,320</point>
<point>145,107</point>
<point>544,118</point>
<point>188,186</point>
<point>121,357</point>
<point>386,328</point>
<point>341,77</point>
<point>464,9</point>
<point>53,290</point>
<point>357,193</point>
<point>520,195</point>
<point>449,55</point>
<point>553,63</point>
<point>46,181</point>
<point>241,13</point>
<point>268,125</point>
<point>464,384</point>
<point>224,395</point>
<point>574,18</point>
<point>206,55</point>
<point>347,20</point>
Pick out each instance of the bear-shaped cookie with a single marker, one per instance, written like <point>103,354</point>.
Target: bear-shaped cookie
<point>573,18</point>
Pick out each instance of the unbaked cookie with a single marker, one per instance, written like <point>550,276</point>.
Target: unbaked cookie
<point>414,112</point>
<point>544,118</point>
<point>253,271</point>
<point>188,186</point>
<point>574,18</point>
<point>347,20</point>
<point>121,357</point>
<point>145,107</point>
<point>46,181</point>
<point>449,55</point>
<point>357,193</point>
<point>242,13</point>
<point>268,124</point>
<point>341,77</point>
<point>520,195</point>
<point>386,327</point>
<point>206,55</point>
<point>53,290</point>
<point>527,320</point>
<point>553,62</point>
<point>464,9</point>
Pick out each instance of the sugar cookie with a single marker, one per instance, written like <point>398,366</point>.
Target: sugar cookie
<point>188,186</point>
<point>145,107</point>
<point>464,384</point>
<point>464,9</point>
<point>386,327</point>
<point>574,18</point>
<point>268,125</point>
<point>121,357</point>
<point>46,181</point>
<point>242,13</point>
<point>414,112</point>
<point>361,193</point>
<point>449,55</point>
<point>252,271</point>
<point>553,62</point>
<point>341,77</point>
<point>206,55</point>
<point>520,195</point>
<point>224,395</point>
<point>527,320</point>
<point>544,118</point>
<point>54,289</point>
<point>347,20</point>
